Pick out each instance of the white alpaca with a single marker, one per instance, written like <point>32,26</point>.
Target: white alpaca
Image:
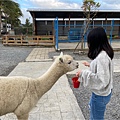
<point>19,95</point>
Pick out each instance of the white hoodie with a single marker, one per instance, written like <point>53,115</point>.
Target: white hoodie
<point>100,76</point>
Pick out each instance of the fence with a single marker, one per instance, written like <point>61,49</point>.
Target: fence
<point>28,40</point>
<point>50,34</point>
<point>74,32</point>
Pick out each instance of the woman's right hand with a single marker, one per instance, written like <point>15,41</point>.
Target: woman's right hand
<point>86,64</point>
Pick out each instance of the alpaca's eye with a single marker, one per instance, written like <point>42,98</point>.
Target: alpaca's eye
<point>69,62</point>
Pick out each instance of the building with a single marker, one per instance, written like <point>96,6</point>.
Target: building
<point>5,27</point>
<point>43,20</point>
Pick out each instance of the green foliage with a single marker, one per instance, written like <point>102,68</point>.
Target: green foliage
<point>24,29</point>
<point>27,27</point>
<point>11,11</point>
<point>27,23</point>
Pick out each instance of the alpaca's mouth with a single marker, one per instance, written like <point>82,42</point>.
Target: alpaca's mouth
<point>77,66</point>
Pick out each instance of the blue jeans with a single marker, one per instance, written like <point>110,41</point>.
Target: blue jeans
<point>97,106</point>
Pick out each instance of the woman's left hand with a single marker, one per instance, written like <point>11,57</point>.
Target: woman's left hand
<point>78,73</point>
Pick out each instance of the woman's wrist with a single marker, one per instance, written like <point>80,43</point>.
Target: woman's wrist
<point>78,74</point>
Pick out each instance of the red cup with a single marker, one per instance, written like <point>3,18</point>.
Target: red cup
<point>75,81</point>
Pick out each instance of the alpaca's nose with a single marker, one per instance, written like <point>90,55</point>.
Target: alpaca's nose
<point>77,65</point>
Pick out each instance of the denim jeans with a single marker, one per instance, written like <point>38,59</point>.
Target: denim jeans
<point>97,106</point>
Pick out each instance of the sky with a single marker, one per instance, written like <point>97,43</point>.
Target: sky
<point>61,4</point>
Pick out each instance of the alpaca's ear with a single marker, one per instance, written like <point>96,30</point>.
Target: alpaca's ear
<point>61,60</point>
<point>61,54</point>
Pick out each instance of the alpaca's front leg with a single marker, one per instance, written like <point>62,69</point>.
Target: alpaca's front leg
<point>23,117</point>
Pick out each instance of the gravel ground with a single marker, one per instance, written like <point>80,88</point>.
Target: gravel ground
<point>11,56</point>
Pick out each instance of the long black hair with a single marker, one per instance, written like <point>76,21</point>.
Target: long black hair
<point>97,41</point>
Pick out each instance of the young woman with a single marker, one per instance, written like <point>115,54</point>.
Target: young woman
<point>99,78</point>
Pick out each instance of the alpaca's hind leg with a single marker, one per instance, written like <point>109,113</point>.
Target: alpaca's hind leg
<point>23,117</point>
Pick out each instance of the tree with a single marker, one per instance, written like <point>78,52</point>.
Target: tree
<point>11,11</point>
<point>90,10</point>
<point>24,29</point>
<point>14,14</point>
<point>28,26</point>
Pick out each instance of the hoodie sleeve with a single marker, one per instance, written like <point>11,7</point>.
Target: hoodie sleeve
<point>98,76</point>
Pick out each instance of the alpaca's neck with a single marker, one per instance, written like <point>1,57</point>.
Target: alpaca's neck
<point>47,80</point>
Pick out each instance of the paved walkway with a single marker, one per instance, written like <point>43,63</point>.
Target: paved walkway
<point>71,46</point>
<point>59,103</point>
<point>39,54</point>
